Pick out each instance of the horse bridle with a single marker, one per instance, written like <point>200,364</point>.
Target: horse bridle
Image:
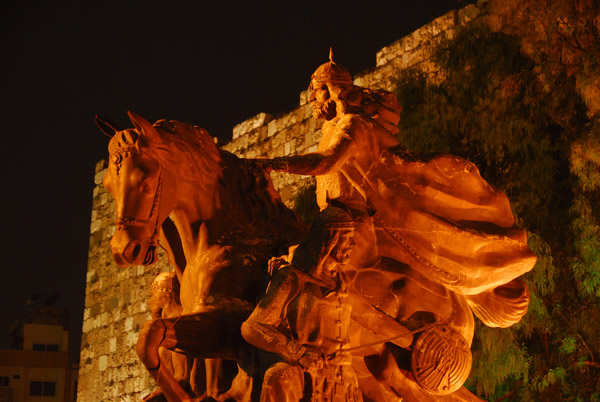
<point>152,222</point>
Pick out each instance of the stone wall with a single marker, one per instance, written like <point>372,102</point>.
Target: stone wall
<point>115,305</point>
<point>115,310</point>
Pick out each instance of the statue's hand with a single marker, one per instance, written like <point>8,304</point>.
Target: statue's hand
<point>312,359</point>
<point>340,358</point>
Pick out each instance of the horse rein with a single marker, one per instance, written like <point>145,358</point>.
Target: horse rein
<point>382,341</point>
<point>152,221</point>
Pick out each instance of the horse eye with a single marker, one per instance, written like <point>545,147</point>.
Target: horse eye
<point>148,186</point>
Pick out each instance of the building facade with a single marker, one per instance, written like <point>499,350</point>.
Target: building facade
<point>39,368</point>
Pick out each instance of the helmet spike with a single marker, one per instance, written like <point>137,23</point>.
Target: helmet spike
<point>331,72</point>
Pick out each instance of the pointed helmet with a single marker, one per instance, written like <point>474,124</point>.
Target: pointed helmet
<point>333,218</point>
<point>331,72</point>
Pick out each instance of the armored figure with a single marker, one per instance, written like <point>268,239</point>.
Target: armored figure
<point>164,302</point>
<point>305,318</point>
<point>426,221</point>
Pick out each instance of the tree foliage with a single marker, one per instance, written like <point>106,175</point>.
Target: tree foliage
<point>521,118</point>
<point>563,37</point>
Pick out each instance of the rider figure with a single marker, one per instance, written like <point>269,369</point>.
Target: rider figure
<point>305,317</point>
<point>351,143</point>
<point>164,303</point>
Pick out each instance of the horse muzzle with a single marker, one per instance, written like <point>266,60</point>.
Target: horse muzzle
<point>129,249</point>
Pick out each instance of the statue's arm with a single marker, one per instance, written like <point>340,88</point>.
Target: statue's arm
<point>378,322</point>
<point>326,159</point>
<point>261,328</point>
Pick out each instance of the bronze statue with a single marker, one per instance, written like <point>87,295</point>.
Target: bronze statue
<point>427,225</point>
<point>305,318</point>
<point>164,302</point>
<point>410,207</point>
<point>220,222</point>
<point>376,304</point>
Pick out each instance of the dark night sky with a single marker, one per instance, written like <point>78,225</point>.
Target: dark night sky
<point>213,65</point>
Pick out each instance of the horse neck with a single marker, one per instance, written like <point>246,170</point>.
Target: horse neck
<point>216,208</point>
<point>193,210</point>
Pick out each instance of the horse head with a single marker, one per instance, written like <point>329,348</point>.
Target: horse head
<point>142,190</point>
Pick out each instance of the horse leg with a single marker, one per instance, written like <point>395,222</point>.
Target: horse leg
<point>240,390</point>
<point>154,334</point>
<point>213,373</point>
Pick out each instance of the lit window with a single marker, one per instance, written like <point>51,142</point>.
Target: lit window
<point>42,388</point>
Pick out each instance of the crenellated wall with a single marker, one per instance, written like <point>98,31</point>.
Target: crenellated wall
<point>115,305</point>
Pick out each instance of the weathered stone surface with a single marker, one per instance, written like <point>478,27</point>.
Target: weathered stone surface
<point>251,124</point>
<point>114,298</point>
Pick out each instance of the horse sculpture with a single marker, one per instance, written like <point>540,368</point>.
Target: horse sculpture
<point>220,221</point>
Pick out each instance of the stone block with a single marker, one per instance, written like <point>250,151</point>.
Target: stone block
<point>95,226</point>
<point>272,128</point>
<point>86,327</point>
<point>111,303</point>
<point>304,97</point>
<point>261,134</point>
<point>251,124</point>
<point>389,52</point>
<point>468,13</point>
<point>408,43</point>
<point>95,310</point>
<point>99,176</point>
<point>91,275</point>
<point>101,165</point>
<point>129,324</point>
<point>102,363</point>
<point>443,23</point>
<point>305,112</point>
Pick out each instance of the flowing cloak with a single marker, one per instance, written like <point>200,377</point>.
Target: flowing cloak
<point>438,214</point>
<point>433,211</point>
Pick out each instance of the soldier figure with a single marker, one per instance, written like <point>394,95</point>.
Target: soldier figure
<point>305,318</point>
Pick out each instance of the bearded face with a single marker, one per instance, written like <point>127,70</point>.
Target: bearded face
<point>345,244</point>
<point>323,104</point>
<point>158,302</point>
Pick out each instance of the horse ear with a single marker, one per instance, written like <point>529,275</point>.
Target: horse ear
<point>142,125</point>
<point>107,127</point>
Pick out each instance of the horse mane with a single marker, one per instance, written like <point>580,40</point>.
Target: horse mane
<point>190,151</point>
<point>186,148</point>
